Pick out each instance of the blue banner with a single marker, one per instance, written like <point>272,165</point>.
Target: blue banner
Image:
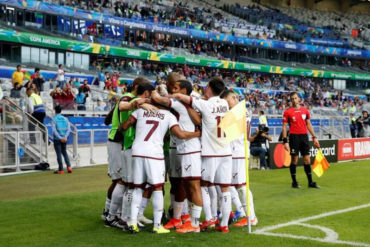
<point>152,27</point>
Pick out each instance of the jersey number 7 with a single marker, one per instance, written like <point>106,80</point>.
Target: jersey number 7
<point>151,131</point>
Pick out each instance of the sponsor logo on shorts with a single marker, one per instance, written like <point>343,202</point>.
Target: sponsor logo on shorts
<point>187,167</point>
<point>202,170</point>
<point>235,174</point>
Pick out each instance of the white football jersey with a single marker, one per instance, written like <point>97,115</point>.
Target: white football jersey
<point>151,127</point>
<point>185,146</point>
<point>213,139</point>
<point>237,146</point>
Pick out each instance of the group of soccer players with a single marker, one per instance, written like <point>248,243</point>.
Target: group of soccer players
<point>206,172</point>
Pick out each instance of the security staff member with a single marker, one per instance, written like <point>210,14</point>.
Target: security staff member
<point>37,110</point>
<point>299,122</point>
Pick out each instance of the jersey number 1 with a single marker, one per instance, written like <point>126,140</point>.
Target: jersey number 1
<point>151,131</point>
<point>219,118</point>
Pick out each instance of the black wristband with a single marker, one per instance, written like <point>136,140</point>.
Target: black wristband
<point>285,140</point>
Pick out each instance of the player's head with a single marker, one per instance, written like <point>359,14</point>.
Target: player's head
<point>138,80</point>
<point>364,114</point>
<point>294,98</point>
<point>172,80</point>
<point>215,87</point>
<point>185,87</point>
<point>230,97</point>
<point>144,90</point>
<point>58,109</point>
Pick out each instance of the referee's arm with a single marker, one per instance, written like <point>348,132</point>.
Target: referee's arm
<point>312,132</point>
<point>284,137</point>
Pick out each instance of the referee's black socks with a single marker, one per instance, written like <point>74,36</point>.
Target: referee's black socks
<point>307,170</point>
<point>292,169</point>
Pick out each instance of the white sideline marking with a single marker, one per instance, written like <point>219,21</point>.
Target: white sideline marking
<point>331,236</point>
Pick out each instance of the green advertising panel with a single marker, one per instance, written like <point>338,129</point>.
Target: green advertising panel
<point>93,48</point>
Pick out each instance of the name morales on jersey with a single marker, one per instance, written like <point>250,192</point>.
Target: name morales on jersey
<point>219,109</point>
<point>153,114</point>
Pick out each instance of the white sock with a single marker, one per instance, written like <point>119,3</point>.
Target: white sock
<point>157,207</point>
<point>137,195</point>
<point>236,201</point>
<point>116,201</point>
<point>185,207</point>
<point>177,209</point>
<point>219,197</point>
<point>107,205</point>
<point>126,205</point>
<point>143,205</point>
<point>206,203</point>
<point>213,195</point>
<point>226,208</point>
<point>195,215</point>
<point>243,198</point>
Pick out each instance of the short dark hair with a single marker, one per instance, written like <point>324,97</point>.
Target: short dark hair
<point>217,85</point>
<point>37,70</point>
<point>292,94</point>
<point>226,93</point>
<point>140,80</point>
<point>58,109</point>
<point>262,112</point>
<point>18,66</point>
<point>59,65</point>
<point>187,85</point>
<point>144,87</point>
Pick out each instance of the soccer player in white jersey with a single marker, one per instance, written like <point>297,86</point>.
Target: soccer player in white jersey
<point>148,159</point>
<point>238,190</point>
<point>189,153</point>
<point>216,152</point>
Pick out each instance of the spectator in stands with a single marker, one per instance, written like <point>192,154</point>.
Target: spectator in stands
<point>107,82</point>
<point>61,131</point>
<point>352,108</point>
<point>81,100</point>
<point>114,81</point>
<point>60,76</point>
<point>37,79</point>
<point>57,95</point>
<point>18,76</point>
<point>15,92</point>
<point>99,106</point>
<point>262,120</point>
<point>363,125</point>
<point>76,83</point>
<point>258,144</point>
<point>85,88</point>
<point>101,78</point>
<point>352,125</point>
<point>68,97</point>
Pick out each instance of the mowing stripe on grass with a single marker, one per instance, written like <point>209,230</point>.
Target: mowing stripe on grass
<point>331,236</point>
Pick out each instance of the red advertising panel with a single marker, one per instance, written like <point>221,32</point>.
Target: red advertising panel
<point>353,148</point>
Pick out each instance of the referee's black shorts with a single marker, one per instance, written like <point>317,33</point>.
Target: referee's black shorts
<point>298,143</point>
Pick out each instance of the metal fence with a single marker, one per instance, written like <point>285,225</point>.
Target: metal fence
<point>21,150</point>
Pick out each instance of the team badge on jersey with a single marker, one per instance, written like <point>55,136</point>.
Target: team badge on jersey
<point>304,116</point>
<point>293,118</point>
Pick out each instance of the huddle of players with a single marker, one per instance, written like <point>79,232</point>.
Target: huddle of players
<point>205,173</point>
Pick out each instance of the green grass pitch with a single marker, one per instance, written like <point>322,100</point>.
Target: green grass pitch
<point>43,209</point>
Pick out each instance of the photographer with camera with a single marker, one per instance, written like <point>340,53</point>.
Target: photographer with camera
<point>258,144</point>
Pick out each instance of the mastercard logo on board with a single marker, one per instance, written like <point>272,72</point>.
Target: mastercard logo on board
<point>281,156</point>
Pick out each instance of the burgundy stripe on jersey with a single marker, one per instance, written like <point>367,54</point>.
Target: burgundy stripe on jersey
<point>238,158</point>
<point>191,101</point>
<point>219,184</point>
<point>191,177</point>
<point>157,185</point>
<point>173,126</point>
<point>189,153</point>
<point>216,156</point>
<point>239,184</point>
<point>144,184</point>
<point>147,157</point>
